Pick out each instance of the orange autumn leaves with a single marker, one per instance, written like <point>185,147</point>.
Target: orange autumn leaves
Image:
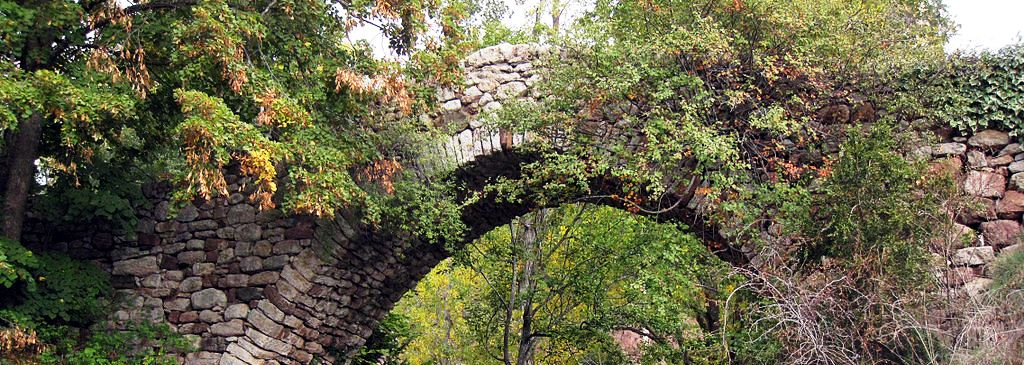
<point>389,86</point>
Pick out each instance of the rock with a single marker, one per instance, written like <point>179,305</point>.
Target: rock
<point>250,264</point>
<point>267,342</point>
<point>976,210</point>
<point>210,316</point>
<point>234,311</point>
<point>263,249</point>
<point>989,138</point>
<point>179,304</point>
<point>452,105</point>
<point>188,317</point>
<point>1011,205</point>
<point>230,328</point>
<point>271,310</point>
<point>264,278</point>
<point>192,257</point>
<point>1015,167</point>
<point>248,293</point>
<point>976,287</point>
<point>1012,249</point>
<point>233,281</point>
<point>209,298</point>
<point>976,159</point>
<point>958,276</point>
<point>984,184</point>
<point>511,90</point>
<point>248,232</point>
<point>952,148</point>
<point>973,256</point>
<point>203,225</point>
<point>949,166</point>
<point>1000,161</point>
<point>1010,149</point>
<point>1000,233</point>
<point>139,267</point>
<point>188,213</point>
<point>1017,180</point>
<point>956,236</point>
<point>241,213</point>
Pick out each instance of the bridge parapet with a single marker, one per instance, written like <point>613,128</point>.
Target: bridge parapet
<point>494,75</point>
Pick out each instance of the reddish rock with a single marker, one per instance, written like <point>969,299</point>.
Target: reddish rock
<point>984,184</point>
<point>1011,205</point>
<point>1001,161</point>
<point>189,317</point>
<point>950,166</point>
<point>1001,233</point>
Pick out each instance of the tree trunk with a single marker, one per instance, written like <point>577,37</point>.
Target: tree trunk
<point>22,153</point>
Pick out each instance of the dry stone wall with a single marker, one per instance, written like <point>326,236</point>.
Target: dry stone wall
<point>251,287</point>
<point>989,166</point>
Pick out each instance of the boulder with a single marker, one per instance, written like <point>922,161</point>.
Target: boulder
<point>1011,205</point>
<point>235,311</point>
<point>209,298</point>
<point>1010,149</point>
<point>230,328</point>
<point>949,166</point>
<point>984,184</point>
<point>1001,233</point>
<point>956,236</point>
<point>973,256</point>
<point>976,159</point>
<point>1017,180</point>
<point>952,148</point>
<point>139,267</point>
<point>976,287</point>
<point>989,138</point>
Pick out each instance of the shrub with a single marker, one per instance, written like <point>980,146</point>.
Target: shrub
<point>67,291</point>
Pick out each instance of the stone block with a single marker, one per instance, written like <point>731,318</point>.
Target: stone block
<point>973,256</point>
<point>209,298</point>
<point>1001,233</point>
<point>236,311</point>
<point>984,184</point>
<point>264,278</point>
<point>138,267</point>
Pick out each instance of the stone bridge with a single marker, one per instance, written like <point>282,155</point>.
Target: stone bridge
<point>253,287</point>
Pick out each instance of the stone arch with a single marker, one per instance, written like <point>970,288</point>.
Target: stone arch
<point>253,287</point>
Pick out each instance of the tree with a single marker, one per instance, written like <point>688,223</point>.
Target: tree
<point>266,86</point>
<point>551,287</point>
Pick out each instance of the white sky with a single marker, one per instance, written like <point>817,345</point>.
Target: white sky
<point>984,24</point>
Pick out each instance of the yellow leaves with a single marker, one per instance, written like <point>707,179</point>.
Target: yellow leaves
<point>258,164</point>
<point>276,111</point>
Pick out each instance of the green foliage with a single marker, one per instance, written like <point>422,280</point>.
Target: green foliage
<point>871,210</point>
<point>66,291</point>
<point>651,276</point>
<point>1008,275</point>
<point>850,257</point>
<point>386,343</point>
<point>970,92</point>
<point>16,265</point>
<point>142,343</point>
